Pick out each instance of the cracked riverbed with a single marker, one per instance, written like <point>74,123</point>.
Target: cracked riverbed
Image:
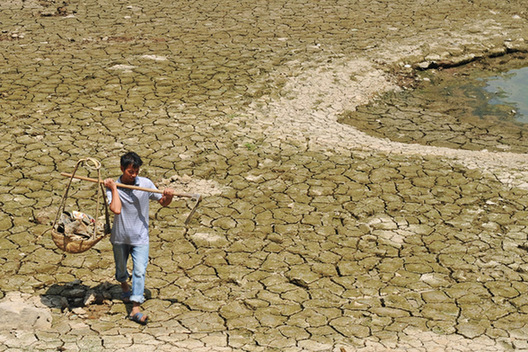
<point>313,234</point>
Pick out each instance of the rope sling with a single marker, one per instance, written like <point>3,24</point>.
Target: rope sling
<point>71,231</point>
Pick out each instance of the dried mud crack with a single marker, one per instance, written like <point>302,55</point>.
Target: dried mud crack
<point>312,235</point>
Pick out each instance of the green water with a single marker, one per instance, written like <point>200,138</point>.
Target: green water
<point>510,89</point>
<point>479,106</point>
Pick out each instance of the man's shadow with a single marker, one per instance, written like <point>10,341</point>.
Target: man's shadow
<point>75,294</point>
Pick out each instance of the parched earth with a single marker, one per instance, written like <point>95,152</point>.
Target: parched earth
<point>313,234</point>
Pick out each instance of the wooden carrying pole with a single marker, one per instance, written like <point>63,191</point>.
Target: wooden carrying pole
<point>122,185</point>
<point>196,196</point>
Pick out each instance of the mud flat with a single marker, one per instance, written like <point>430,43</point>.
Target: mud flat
<point>314,235</point>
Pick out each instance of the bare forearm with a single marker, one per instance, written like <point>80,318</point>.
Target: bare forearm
<point>115,204</point>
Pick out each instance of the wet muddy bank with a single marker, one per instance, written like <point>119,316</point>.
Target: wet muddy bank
<point>447,106</point>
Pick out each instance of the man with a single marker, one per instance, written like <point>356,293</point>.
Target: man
<point>130,234</point>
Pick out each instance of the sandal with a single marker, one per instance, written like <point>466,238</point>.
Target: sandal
<point>138,318</point>
<point>125,296</point>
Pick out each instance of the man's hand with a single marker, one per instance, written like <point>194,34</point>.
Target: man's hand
<point>110,184</point>
<point>166,199</point>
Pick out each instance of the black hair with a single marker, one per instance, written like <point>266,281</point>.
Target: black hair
<point>131,158</point>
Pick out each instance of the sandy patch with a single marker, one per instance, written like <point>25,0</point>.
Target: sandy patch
<point>311,103</point>
<point>188,184</point>
<point>122,67</point>
<point>23,312</point>
<point>154,57</point>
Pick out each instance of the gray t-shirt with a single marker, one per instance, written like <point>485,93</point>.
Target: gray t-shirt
<point>132,225</point>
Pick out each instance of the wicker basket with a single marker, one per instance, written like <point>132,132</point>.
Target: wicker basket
<point>73,244</point>
<point>70,240</point>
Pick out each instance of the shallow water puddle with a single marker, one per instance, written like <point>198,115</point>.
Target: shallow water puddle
<point>511,89</point>
<point>478,106</point>
<point>491,89</point>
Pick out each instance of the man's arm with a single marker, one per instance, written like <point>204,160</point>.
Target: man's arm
<point>115,204</point>
<point>166,198</point>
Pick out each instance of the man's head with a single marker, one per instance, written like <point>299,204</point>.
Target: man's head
<point>130,164</point>
<point>131,158</point>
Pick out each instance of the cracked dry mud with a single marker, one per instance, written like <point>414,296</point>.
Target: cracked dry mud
<point>313,235</point>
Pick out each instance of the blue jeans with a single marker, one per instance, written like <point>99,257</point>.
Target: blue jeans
<point>140,257</point>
